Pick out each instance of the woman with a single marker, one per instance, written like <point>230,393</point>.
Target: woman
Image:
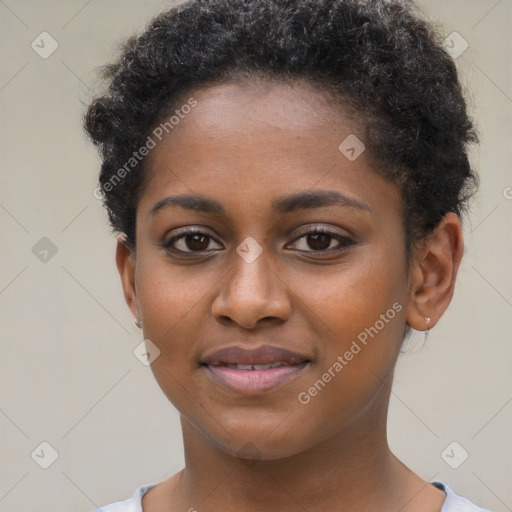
<point>287,180</point>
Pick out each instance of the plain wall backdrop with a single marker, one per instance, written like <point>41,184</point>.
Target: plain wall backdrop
<point>68,375</point>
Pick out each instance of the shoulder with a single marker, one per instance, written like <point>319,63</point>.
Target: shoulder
<point>456,503</point>
<point>132,504</point>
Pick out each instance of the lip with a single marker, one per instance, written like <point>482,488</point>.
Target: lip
<point>254,382</point>
<point>221,366</point>
<point>264,354</point>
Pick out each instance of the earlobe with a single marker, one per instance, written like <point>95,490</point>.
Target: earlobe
<point>433,273</point>
<point>126,268</point>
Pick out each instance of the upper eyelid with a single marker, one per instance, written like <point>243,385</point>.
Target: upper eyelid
<point>315,228</point>
<point>185,230</point>
<point>347,236</point>
<point>304,232</point>
<point>336,236</point>
<point>205,231</point>
<point>188,230</point>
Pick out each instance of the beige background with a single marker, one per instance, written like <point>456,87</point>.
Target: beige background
<point>67,372</point>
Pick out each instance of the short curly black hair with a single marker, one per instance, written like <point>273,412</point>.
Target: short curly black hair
<point>380,57</point>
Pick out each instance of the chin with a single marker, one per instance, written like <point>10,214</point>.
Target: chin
<point>267,442</point>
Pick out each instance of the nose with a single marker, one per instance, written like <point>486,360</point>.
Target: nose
<point>251,293</point>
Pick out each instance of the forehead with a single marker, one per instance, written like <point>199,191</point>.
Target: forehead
<point>247,140</point>
<point>292,107</point>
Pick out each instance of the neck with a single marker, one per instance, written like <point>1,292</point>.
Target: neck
<point>352,470</point>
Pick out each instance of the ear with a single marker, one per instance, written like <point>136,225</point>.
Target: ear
<point>433,272</point>
<point>125,261</point>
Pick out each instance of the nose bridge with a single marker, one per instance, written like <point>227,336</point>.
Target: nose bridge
<point>251,291</point>
<point>251,272</point>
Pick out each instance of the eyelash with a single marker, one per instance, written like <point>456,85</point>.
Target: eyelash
<point>344,242</point>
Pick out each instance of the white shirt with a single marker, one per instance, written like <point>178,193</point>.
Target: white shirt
<point>452,502</point>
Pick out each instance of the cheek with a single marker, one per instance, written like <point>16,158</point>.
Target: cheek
<point>168,294</point>
<point>361,308</point>
<point>353,296</point>
<point>174,304</point>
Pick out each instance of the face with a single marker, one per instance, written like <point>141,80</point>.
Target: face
<point>270,270</point>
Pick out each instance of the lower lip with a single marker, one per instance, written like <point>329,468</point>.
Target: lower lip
<point>255,381</point>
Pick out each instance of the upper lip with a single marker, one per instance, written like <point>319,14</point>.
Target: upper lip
<point>265,354</point>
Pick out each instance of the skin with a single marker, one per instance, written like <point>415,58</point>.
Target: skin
<point>245,145</point>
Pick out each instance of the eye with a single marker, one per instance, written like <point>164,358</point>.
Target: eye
<point>191,240</point>
<point>320,240</point>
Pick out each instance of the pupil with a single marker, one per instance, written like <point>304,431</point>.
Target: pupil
<point>197,242</point>
<point>319,241</point>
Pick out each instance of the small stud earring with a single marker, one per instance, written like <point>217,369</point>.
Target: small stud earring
<point>427,331</point>
<point>138,322</point>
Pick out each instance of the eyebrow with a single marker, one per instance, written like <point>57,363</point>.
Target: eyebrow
<point>285,204</point>
<point>316,199</point>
